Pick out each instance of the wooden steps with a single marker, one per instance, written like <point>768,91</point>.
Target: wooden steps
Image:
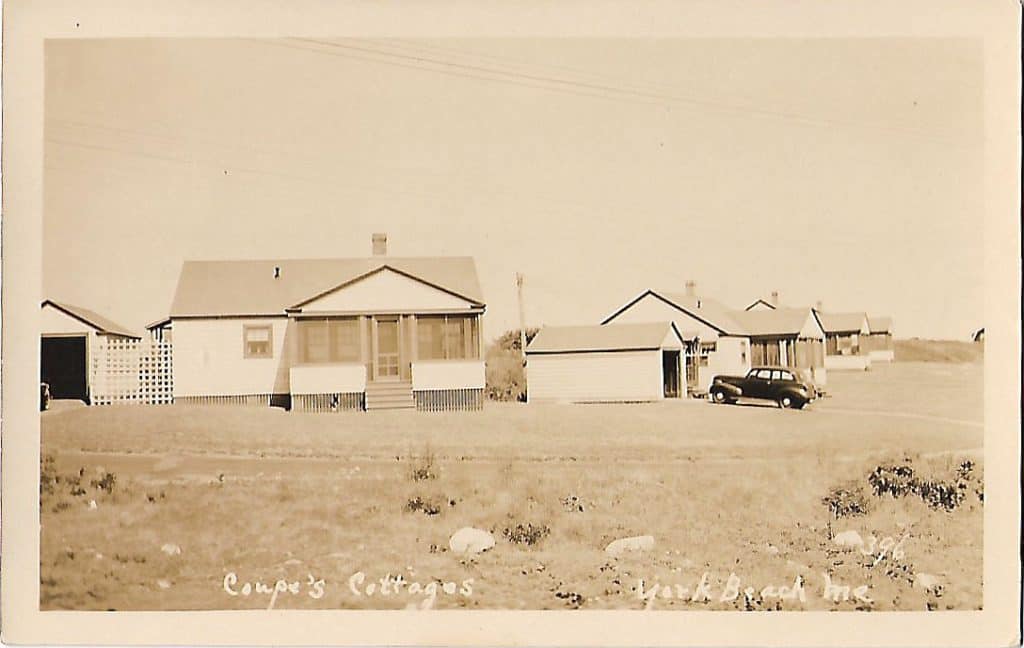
<point>389,395</point>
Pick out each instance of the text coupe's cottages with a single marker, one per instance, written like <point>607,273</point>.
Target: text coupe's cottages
<point>330,334</point>
<point>613,363</point>
<point>72,346</point>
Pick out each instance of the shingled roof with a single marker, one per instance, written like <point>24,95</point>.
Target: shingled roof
<point>220,288</point>
<point>102,325</point>
<point>779,321</point>
<point>605,337</point>
<point>880,324</point>
<point>841,322</point>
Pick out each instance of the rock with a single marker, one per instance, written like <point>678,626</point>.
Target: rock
<point>848,539</point>
<point>171,549</point>
<point>163,584</point>
<point>471,540</point>
<point>635,543</point>
<point>928,582</point>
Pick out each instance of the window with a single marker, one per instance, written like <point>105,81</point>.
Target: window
<point>706,349</point>
<point>764,374</point>
<point>345,346</point>
<point>447,337</point>
<point>330,340</point>
<point>257,341</point>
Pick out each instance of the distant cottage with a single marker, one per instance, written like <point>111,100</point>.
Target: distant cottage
<point>731,341</point>
<point>329,334</point>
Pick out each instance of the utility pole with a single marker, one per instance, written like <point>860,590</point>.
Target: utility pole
<point>522,320</point>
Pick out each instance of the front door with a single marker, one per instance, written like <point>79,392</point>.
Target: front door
<point>670,373</point>
<point>387,348</point>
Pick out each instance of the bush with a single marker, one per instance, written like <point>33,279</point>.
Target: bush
<point>894,480</point>
<point>424,466</point>
<point>528,534</point>
<point>419,504</point>
<point>504,370</point>
<point>900,481</point>
<point>846,502</point>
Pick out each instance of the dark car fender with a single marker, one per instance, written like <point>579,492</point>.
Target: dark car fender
<point>795,393</point>
<point>728,388</point>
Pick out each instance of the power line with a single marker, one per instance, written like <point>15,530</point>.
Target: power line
<point>616,91</point>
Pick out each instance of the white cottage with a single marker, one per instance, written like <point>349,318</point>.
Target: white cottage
<point>72,345</point>
<point>731,341</point>
<point>330,334</point>
<point>614,363</point>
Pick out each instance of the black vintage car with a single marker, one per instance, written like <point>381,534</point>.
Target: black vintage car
<point>784,385</point>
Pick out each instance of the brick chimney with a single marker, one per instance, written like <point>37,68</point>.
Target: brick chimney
<point>691,288</point>
<point>817,305</point>
<point>380,244</point>
<point>775,298</point>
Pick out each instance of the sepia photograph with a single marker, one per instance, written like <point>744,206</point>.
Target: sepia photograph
<point>514,323</point>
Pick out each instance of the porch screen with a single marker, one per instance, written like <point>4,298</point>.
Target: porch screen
<point>448,337</point>
<point>329,340</point>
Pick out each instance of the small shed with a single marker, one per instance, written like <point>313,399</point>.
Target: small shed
<point>608,363</point>
<point>69,343</point>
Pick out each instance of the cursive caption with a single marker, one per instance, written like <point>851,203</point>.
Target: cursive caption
<point>423,594</point>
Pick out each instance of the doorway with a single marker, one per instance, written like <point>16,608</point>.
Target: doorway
<point>63,366</point>
<point>670,373</point>
<point>387,348</point>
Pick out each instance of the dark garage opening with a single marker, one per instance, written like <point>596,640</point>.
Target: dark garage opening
<point>63,366</point>
<point>670,373</point>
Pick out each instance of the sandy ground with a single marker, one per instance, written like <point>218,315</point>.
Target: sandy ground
<point>322,503</point>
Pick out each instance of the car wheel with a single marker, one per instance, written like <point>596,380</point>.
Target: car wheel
<point>785,402</point>
<point>719,396</point>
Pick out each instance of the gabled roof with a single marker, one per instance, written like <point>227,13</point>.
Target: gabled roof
<point>779,321</point>
<point>160,323</point>
<point>879,324</point>
<point>221,288</point>
<point>91,318</point>
<point>708,311</point>
<point>605,337</point>
<point>841,322</point>
<point>760,302</point>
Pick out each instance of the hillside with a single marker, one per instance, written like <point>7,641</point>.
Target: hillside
<point>917,350</point>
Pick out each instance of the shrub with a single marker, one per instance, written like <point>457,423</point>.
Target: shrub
<point>896,480</point>
<point>504,367</point>
<point>846,502</point>
<point>424,466</point>
<point>528,534</point>
<point>105,483</point>
<point>419,504</point>
<point>900,481</point>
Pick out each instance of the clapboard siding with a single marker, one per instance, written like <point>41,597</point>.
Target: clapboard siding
<point>604,376</point>
<point>209,359</point>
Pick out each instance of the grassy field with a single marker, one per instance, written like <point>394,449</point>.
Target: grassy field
<point>918,350</point>
<point>330,504</point>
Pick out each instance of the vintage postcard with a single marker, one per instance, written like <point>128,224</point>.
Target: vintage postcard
<point>380,324</point>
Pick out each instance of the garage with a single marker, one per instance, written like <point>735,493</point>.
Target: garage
<point>63,366</point>
<point>607,363</point>
<point>71,341</point>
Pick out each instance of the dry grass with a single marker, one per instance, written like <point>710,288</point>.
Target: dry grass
<point>722,489</point>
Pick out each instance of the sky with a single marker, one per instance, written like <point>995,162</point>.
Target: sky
<point>842,171</point>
